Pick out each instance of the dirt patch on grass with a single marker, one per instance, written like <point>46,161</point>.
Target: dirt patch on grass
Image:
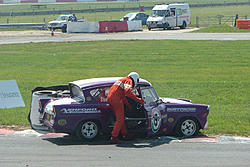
<point>15,127</point>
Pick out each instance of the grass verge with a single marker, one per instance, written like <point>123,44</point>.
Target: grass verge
<point>221,29</point>
<point>207,72</point>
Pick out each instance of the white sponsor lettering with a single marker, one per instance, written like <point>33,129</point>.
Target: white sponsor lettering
<point>10,96</point>
<point>79,110</point>
<point>181,109</point>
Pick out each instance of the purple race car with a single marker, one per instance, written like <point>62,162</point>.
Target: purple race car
<point>81,109</point>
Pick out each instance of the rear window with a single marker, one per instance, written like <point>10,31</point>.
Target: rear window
<point>77,93</point>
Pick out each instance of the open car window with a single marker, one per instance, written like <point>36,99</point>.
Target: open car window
<point>100,94</point>
<point>149,95</point>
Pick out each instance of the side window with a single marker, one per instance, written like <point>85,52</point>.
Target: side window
<point>178,12</point>
<point>100,94</point>
<point>172,12</point>
<point>184,11</point>
<point>77,93</point>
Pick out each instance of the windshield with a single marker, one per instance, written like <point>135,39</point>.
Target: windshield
<point>77,93</point>
<point>62,18</point>
<point>149,95</point>
<point>158,13</point>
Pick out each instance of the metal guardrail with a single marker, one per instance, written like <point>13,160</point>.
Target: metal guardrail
<point>217,20</point>
<point>25,25</point>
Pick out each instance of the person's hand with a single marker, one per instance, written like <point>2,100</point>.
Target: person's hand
<point>142,101</point>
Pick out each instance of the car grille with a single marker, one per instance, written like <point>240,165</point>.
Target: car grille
<point>54,24</point>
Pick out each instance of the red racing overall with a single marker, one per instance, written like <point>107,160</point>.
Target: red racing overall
<point>117,99</point>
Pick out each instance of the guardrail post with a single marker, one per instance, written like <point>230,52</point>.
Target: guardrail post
<point>236,17</point>
<point>197,22</point>
<point>220,20</point>
<point>7,20</point>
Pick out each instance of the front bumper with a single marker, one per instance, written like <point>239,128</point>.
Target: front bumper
<point>155,24</point>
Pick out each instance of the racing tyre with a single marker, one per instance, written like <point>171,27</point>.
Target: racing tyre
<point>88,130</point>
<point>184,25</point>
<point>187,127</point>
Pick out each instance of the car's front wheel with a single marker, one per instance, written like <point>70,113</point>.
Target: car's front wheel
<point>187,127</point>
<point>88,130</point>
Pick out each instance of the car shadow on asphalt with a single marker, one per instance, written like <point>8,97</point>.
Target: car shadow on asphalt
<point>139,142</point>
<point>136,143</point>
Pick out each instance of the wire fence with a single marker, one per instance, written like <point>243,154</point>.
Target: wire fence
<point>205,21</point>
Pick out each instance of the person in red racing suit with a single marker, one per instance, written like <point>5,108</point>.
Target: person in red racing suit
<point>117,99</point>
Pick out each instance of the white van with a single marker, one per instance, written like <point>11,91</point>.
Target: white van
<point>168,16</point>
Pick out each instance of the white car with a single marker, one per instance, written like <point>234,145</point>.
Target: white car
<point>60,22</point>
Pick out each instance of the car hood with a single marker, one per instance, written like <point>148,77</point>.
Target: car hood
<point>58,22</point>
<point>175,101</point>
<point>155,19</point>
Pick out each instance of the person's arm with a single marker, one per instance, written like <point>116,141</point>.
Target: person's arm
<point>129,92</point>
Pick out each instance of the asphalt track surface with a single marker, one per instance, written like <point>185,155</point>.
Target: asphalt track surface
<point>45,36</point>
<point>29,149</point>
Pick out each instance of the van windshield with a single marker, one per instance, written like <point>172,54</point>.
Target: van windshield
<point>158,13</point>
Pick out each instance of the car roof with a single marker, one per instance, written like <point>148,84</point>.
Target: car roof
<point>95,82</point>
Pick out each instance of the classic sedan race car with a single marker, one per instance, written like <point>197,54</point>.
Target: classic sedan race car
<point>81,109</point>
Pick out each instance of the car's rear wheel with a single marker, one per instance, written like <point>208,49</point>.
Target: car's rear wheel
<point>187,127</point>
<point>88,130</point>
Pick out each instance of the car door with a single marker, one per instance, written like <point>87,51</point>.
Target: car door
<point>154,110</point>
<point>172,18</point>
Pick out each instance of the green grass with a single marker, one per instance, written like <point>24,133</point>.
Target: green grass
<point>242,10</point>
<point>207,72</point>
<point>221,29</point>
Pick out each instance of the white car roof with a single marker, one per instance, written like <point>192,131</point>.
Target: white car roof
<point>165,7</point>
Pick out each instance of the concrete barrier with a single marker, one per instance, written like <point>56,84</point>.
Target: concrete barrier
<point>243,24</point>
<point>113,26</point>
<point>134,25</point>
<point>78,27</point>
<point>103,26</point>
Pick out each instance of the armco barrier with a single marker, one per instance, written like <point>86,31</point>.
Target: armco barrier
<point>28,1</point>
<point>134,25</point>
<point>243,24</point>
<point>46,1</point>
<point>66,1</point>
<point>11,1</point>
<point>113,26</point>
<point>77,27</point>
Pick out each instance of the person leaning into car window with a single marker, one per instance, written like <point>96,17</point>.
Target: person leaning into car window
<point>117,98</point>
<point>74,18</point>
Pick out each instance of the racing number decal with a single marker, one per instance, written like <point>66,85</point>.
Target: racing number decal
<point>156,120</point>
